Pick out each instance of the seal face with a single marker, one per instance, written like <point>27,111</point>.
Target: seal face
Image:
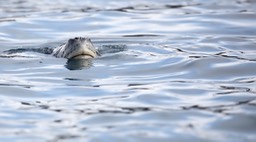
<point>76,48</point>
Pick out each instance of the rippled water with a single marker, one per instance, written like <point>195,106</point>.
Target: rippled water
<point>187,73</point>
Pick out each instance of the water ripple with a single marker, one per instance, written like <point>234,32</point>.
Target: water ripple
<point>168,71</point>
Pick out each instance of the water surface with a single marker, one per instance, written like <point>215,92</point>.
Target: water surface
<point>187,73</point>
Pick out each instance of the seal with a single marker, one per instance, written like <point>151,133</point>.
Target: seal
<point>79,51</point>
<point>76,48</point>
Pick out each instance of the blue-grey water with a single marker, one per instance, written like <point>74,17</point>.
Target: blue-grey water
<point>187,72</point>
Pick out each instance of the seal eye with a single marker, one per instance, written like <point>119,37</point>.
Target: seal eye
<point>76,38</point>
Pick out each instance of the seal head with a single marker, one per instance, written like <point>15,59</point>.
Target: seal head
<point>76,48</point>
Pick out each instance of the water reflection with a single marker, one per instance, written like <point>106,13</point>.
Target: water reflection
<point>78,64</point>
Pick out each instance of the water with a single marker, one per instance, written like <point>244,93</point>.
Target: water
<point>187,73</point>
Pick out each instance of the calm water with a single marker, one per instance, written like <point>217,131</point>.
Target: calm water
<point>188,72</point>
